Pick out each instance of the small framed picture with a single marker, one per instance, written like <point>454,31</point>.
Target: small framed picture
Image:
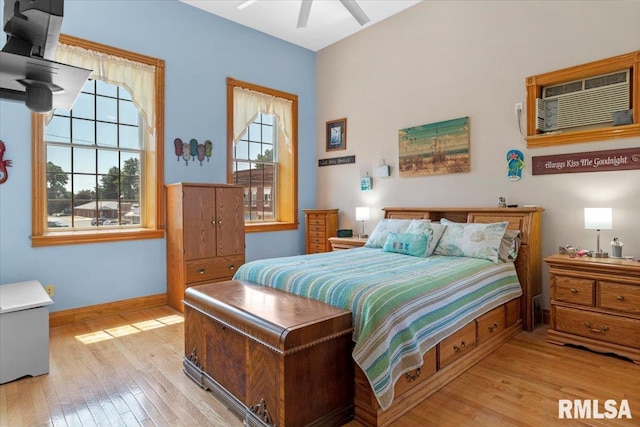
<point>337,135</point>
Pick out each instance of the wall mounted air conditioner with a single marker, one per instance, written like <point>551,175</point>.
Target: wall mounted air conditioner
<point>586,102</point>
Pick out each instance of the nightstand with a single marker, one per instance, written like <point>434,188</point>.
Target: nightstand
<point>340,243</point>
<point>595,303</point>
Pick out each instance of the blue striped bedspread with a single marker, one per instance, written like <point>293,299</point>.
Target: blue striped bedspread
<point>401,305</point>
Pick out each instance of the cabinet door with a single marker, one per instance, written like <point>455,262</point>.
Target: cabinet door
<point>199,222</point>
<point>230,221</point>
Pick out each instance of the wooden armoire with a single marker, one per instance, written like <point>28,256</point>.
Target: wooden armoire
<point>205,236</point>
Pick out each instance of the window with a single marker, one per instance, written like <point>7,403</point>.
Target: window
<point>97,169</point>
<point>262,144</point>
<point>536,85</point>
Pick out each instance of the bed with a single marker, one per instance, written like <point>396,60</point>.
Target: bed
<point>418,322</point>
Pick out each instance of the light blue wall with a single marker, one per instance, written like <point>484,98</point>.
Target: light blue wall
<point>201,50</point>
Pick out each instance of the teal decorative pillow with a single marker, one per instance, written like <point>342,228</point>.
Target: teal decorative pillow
<point>474,240</point>
<point>433,231</point>
<point>406,244</point>
<point>383,228</point>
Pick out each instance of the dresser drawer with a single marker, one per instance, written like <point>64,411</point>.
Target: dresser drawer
<point>618,296</point>
<point>452,348</point>
<point>212,268</point>
<point>315,248</point>
<point>573,290</point>
<point>414,377</point>
<point>317,220</point>
<point>317,234</point>
<point>599,326</point>
<point>318,241</point>
<point>489,324</point>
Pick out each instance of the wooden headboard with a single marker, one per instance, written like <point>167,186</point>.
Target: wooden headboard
<point>527,220</point>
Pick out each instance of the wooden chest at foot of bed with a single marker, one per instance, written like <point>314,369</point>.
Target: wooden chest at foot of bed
<point>274,358</point>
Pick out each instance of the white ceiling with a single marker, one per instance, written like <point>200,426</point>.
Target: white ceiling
<point>328,22</point>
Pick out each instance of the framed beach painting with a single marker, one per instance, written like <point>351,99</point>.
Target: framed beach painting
<point>434,149</point>
<point>337,135</point>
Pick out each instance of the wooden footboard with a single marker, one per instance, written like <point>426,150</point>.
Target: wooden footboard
<point>442,364</point>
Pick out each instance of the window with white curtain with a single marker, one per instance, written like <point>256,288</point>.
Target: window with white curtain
<point>97,168</point>
<point>262,153</point>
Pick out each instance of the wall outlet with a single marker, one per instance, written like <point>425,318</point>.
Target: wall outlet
<point>51,290</point>
<point>518,108</point>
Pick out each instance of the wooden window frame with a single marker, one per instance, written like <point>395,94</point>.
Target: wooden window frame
<point>152,177</point>
<point>287,206</point>
<point>535,85</point>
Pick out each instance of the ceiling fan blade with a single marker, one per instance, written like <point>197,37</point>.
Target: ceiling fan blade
<point>303,18</point>
<point>355,11</point>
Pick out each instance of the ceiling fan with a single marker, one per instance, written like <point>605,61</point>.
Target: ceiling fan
<point>305,8</point>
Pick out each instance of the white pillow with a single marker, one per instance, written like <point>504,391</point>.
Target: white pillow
<point>433,230</point>
<point>474,240</point>
<point>383,228</point>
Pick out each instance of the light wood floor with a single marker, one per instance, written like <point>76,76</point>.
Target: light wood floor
<point>127,370</point>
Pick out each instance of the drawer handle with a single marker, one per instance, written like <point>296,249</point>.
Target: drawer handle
<point>602,330</point>
<point>493,327</point>
<point>411,378</point>
<point>620,297</point>
<point>201,271</point>
<point>574,291</point>
<point>213,220</point>
<point>457,349</point>
<point>232,267</point>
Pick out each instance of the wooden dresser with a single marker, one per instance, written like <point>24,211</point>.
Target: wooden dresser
<point>595,303</point>
<point>274,358</point>
<point>319,225</point>
<point>205,236</point>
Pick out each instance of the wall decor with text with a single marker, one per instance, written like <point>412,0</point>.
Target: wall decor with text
<point>594,161</point>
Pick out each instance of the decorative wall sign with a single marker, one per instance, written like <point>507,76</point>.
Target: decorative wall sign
<point>192,150</point>
<point>515,163</point>
<point>4,164</point>
<point>435,149</point>
<point>337,161</point>
<point>594,161</point>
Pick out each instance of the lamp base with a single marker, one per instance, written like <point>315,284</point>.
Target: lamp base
<point>599,255</point>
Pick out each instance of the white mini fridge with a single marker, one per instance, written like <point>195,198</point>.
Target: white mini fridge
<point>24,330</point>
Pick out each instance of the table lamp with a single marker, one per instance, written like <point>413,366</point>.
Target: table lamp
<point>598,219</point>
<point>362,214</point>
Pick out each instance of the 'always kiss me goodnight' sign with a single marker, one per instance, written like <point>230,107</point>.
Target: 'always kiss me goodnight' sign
<point>595,161</point>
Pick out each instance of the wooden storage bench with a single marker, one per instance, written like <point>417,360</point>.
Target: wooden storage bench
<point>273,357</point>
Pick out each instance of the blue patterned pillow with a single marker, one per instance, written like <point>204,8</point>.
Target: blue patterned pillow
<point>406,244</point>
<point>433,231</point>
<point>473,240</point>
<point>383,228</point>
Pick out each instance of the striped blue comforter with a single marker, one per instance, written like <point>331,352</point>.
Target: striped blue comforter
<point>402,305</point>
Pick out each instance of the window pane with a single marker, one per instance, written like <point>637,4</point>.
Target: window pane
<point>129,137</point>
<point>58,130</point>
<point>84,106</point>
<point>107,160</point>
<point>242,150</point>
<point>58,195</point>
<point>267,119</point>
<point>255,149</point>
<point>89,86</point>
<point>83,132</point>
<point>124,93</point>
<point>103,88</point>
<point>109,187</point>
<point>107,134</point>
<point>254,132</point>
<point>60,157</point>
<point>84,160</point>
<point>61,112</point>
<point>107,109</point>
<point>267,134</point>
<point>128,113</point>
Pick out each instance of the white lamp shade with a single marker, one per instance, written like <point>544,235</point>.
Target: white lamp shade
<point>362,214</point>
<point>598,219</point>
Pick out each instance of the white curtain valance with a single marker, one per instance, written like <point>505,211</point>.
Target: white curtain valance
<point>248,103</point>
<point>137,78</point>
